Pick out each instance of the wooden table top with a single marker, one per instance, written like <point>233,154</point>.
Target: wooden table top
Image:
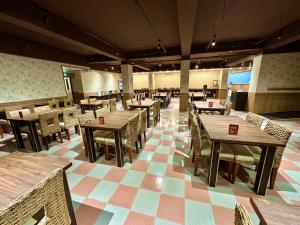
<point>144,103</point>
<point>204,105</point>
<point>217,130</point>
<point>272,213</point>
<point>160,95</point>
<point>93,103</point>
<point>20,172</point>
<point>35,116</point>
<point>113,121</point>
<point>200,94</point>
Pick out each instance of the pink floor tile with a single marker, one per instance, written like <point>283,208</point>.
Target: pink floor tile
<point>287,165</point>
<point>94,203</point>
<point>155,136</point>
<point>85,186</point>
<point>87,215</point>
<point>152,182</point>
<point>175,171</point>
<point>115,174</point>
<point>245,201</point>
<point>166,143</point>
<point>158,157</point>
<point>223,216</point>
<point>197,192</point>
<point>123,196</point>
<point>150,148</point>
<point>140,165</point>
<point>61,152</point>
<point>168,133</point>
<point>85,168</point>
<point>171,208</point>
<point>135,218</point>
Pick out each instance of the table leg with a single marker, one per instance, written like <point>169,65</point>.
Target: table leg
<point>214,164</point>
<point>165,103</point>
<point>17,133</point>
<point>264,170</point>
<point>222,112</point>
<point>119,149</point>
<point>82,109</point>
<point>35,140</point>
<point>90,148</point>
<point>95,114</point>
<point>148,117</point>
<point>69,200</point>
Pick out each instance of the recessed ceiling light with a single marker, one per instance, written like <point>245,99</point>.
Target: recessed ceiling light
<point>196,66</point>
<point>112,68</point>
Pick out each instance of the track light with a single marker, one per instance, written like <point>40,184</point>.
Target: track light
<point>196,66</point>
<point>279,35</point>
<point>118,51</point>
<point>213,43</point>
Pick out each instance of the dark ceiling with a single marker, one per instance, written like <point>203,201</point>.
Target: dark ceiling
<point>106,33</point>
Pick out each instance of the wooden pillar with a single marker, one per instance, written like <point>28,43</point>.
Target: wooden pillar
<point>151,83</point>
<point>184,85</point>
<point>127,80</point>
<point>222,92</point>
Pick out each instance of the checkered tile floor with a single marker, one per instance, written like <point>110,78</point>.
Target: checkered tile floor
<point>159,187</point>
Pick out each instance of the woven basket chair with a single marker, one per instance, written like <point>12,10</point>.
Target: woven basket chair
<point>70,120</point>
<point>68,102</point>
<point>102,111</point>
<point>106,103</point>
<point>142,126</point>
<point>40,109</point>
<point>53,104</point>
<point>48,194</point>
<point>190,109</point>
<point>202,148</point>
<point>255,119</point>
<point>11,108</point>
<point>222,102</point>
<point>49,125</point>
<point>228,106</point>
<point>241,216</point>
<point>129,137</point>
<point>113,104</point>
<point>250,155</point>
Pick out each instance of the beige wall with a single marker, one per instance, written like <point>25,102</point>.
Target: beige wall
<point>94,81</point>
<point>23,78</point>
<point>167,79</point>
<point>140,80</point>
<point>198,78</point>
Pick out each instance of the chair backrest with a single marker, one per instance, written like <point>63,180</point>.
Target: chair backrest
<point>228,106</point>
<point>281,133</point>
<point>196,135</point>
<point>69,117</point>
<point>102,111</point>
<point>83,118</point>
<point>49,123</point>
<point>11,108</point>
<point>222,101</point>
<point>84,101</point>
<point>142,121</point>
<point>132,130</point>
<point>53,104</point>
<point>113,104</point>
<point>106,103</point>
<point>15,113</point>
<point>48,194</point>
<point>93,99</point>
<point>241,216</point>
<point>68,102</point>
<point>255,119</point>
<point>44,108</point>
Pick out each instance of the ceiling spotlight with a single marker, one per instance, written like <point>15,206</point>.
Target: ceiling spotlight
<point>159,65</point>
<point>279,35</point>
<point>196,66</point>
<point>213,43</point>
<point>159,45</point>
<point>112,68</point>
<point>118,51</point>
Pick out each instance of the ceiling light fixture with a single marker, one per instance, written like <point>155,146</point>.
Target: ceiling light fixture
<point>117,51</point>
<point>279,37</point>
<point>159,65</point>
<point>112,68</point>
<point>196,66</point>
<point>213,43</point>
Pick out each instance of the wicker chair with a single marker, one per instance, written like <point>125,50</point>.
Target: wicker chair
<point>48,194</point>
<point>250,155</point>
<point>83,118</point>
<point>49,125</point>
<point>129,137</point>
<point>190,109</point>
<point>53,104</point>
<point>69,121</point>
<point>106,103</point>
<point>222,102</point>
<point>156,112</point>
<point>40,109</point>
<point>202,148</point>
<point>68,102</point>
<point>255,119</point>
<point>241,216</point>
<point>11,108</point>
<point>142,126</point>
<point>113,104</point>
<point>15,113</point>
<point>228,106</point>
<point>102,111</point>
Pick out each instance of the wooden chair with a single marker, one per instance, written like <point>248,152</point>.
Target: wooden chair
<point>48,194</point>
<point>113,104</point>
<point>40,109</point>
<point>142,126</point>
<point>68,102</point>
<point>250,155</point>
<point>53,104</point>
<point>241,216</point>
<point>69,121</point>
<point>49,125</point>
<point>202,148</point>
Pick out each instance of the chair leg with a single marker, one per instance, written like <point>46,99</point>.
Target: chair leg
<point>77,130</point>
<point>196,166</point>
<point>106,152</point>
<point>193,157</point>
<point>273,177</point>
<point>230,169</point>
<point>235,172</point>
<point>129,154</point>
<point>191,145</point>
<point>68,134</point>
<point>140,140</point>
<point>46,142</point>
<point>137,147</point>
<point>145,139</point>
<point>60,137</point>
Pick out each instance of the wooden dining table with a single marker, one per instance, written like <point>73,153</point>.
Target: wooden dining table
<point>204,106</point>
<point>217,127</point>
<point>197,96</point>
<point>163,97</point>
<point>273,213</point>
<point>21,172</point>
<point>147,103</point>
<point>92,105</point>
<point>114,121</point>
<point>29,120</point>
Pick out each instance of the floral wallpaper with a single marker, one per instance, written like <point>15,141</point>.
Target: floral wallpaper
<point>23,78</point>
<point>279,71</point>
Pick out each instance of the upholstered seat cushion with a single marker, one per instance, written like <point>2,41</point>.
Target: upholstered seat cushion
<point>100,135</point>
<point>225,153</point>
<point>245,154</point>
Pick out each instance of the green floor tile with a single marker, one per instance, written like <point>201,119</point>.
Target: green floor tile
<point>146,202</point>
<point>103,191</point>
<point>174,187</point>
<point>156,168</point>
<point>197,213</point>
<point>133,178</point>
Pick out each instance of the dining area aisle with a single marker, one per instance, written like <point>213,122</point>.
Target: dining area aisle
<point>159,187</point>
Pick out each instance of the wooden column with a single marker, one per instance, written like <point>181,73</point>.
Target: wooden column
<point>222,92</point>
<point>151,83</point>
<point>184,85</point>
<point>127,79</point>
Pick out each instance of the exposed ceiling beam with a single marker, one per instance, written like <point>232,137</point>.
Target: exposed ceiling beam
<point>18,46</point>
<point>237,60</point>
<point>27,15</point>
<point>186,13</point>
<point>287,35</point>
<point>140,64</point>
